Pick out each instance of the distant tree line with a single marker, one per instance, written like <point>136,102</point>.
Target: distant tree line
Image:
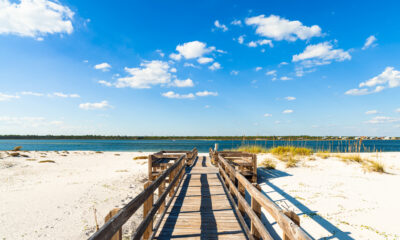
<point>243,138</point>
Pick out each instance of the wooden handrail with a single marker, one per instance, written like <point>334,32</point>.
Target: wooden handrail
<point>290,229</point>
<point>145,223</point>
<point>115,223</point>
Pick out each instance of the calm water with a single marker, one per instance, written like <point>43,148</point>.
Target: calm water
<point>201,145</point>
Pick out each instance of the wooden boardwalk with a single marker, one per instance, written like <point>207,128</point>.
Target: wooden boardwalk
<point>201,208</point>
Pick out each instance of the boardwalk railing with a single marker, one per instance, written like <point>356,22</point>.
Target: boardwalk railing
<point>238,185</point>
<point>160,161</point>
<point>172,175</point>
<point>245,163</point>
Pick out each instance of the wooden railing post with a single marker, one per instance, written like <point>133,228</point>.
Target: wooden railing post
<point>254,163</point>
<point>242,192</point>
<point>148,204</point>
<point>171,176</point>
<point>257,209</point>
<point>150,167</point>
<point>295,218</point>
<point>118,235</point>
<point>161,190</point>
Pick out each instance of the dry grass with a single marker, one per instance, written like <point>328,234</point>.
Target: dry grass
<point>375,166</point>
<point>268,164</point>
<point>99,152</point>
<point>351,158</point>
<point>140,157</point>
<point>323,154</point>
<point>290,150</point>
<point>30,159</point>
<point>117,154</point>
<point>47,161</point>
<point>14,154</point>
<point>251,149</point>
<point>17,148</point>
<point>291,162</point>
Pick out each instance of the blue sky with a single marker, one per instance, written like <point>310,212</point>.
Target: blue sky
<point>200,67</point>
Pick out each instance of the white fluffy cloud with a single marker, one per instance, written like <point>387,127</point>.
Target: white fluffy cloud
<point>271,73</point>
<point>382,119</point>
<point>371,112</point>
<point>105,83</point>
<point>260,43</point>
<point>241,39</point>
<point>370,42</point>
<point>321,54</point>
<point>103,67</point>
<point>206,93</point>
<point>191,50</point>
<point>151,73</point>
<point>34,18</point>
<point>28,93</point>
<point>7,97</point>
<point>223,27</point>
<point>63,95</point>
<point>236,22</point>
<point>285,78</point>
<point>289,98</point>
<point>215,66</point>
<point>279,28</point>
<point>234,72</point>
<point>172,94</point>
<point>398,110</point>
<point>267,115</point>
<point>182,83</point>
<point>95,106</point>
<point>204,60</point>
<point>389,78</point>
<point>287,111</point>
<point>258,69</point>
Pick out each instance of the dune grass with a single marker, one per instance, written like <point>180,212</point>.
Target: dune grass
<point>323,154</point>
<point>268,164</point>
<point>291,162</point>
<point>291,150</point>
<point>17,148</point>
<point>140,157</point>
<point>351,158</point>
<point>374,166</point>
<point>47,161</point>
<point>252,149</point>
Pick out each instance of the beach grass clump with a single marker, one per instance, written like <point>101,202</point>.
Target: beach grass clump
<point>47,161</point>
<point>291,150</point>
<point>375,166</point>
<point>99,152</point>
<point>323,154</point>
<point>30,159</point>
<point>291,162</point>
<point>14,154</point>
<point>17,148</point>
<point>268,164</point>
<point>140,157</point>
<point>251,149</point>
<point>352,158</point>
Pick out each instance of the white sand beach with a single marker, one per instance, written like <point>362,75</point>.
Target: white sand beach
<point>335,200</point>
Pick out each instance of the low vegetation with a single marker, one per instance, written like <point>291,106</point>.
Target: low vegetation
<point>17,148</point>
<point>14,154</point>
<point>268,164</point>
<point>291,162</point>
<point>140,157</point>
<point>323,154</point>
<point>252,149</point>
<point>375,166</point>
<point>47,161</point>
<point>291,150</point>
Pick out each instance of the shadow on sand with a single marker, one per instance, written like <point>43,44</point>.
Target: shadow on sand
<point>264,175</point>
